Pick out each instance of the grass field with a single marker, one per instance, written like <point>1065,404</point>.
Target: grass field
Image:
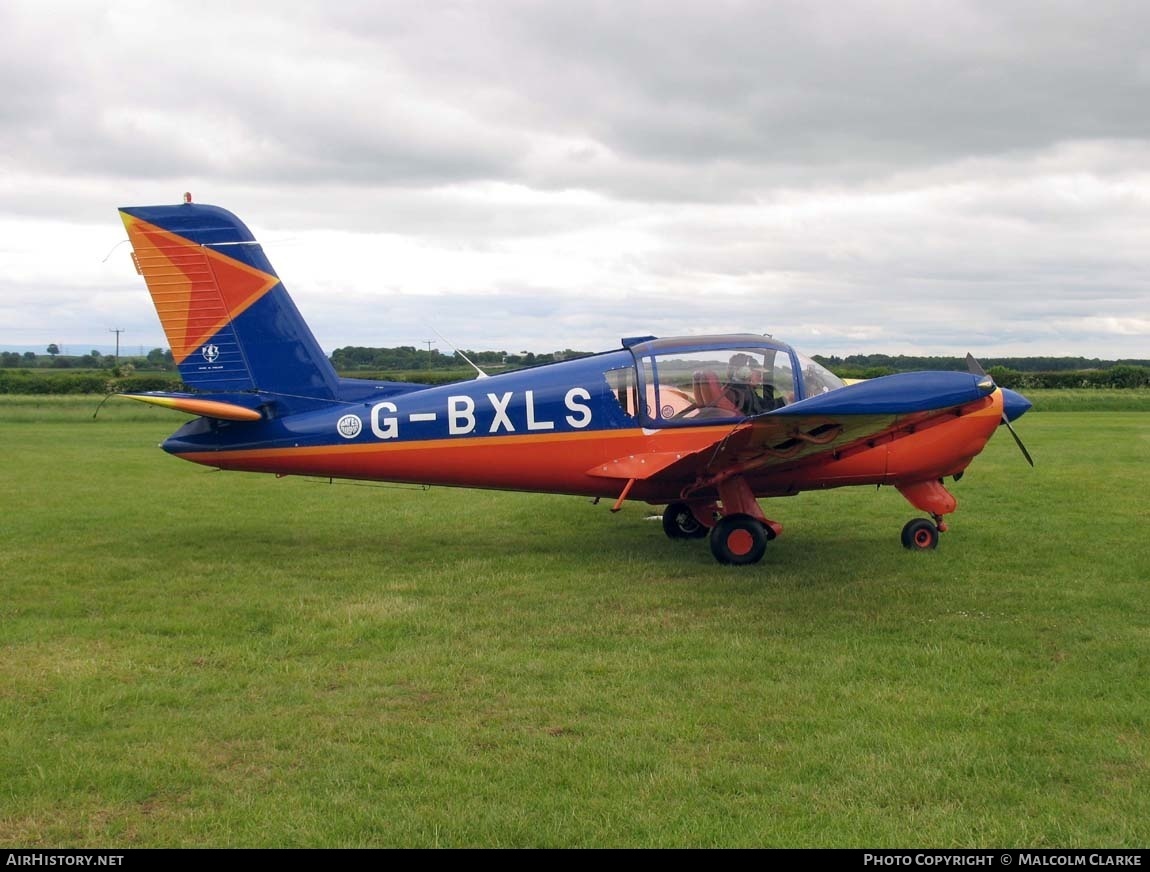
<point>214,659</point>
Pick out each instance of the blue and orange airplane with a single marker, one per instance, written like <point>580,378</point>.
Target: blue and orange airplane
<point>704,425</point>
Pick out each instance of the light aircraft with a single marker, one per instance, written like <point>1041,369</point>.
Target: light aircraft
<point>703,425</point>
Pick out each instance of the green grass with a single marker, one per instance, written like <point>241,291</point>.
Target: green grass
<point>193,658</point>
<point>1090,400</point>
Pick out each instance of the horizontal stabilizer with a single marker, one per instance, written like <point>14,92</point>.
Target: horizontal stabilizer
<point>194,405</point>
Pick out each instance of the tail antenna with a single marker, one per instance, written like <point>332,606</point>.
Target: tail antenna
<point>481,373</point>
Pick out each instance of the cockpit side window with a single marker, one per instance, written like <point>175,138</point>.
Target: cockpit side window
<point>621,383</point>
<point>666,388</point>
<point>697,386</point>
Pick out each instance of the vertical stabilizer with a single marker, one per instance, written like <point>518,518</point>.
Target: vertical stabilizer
<point>229,320</point>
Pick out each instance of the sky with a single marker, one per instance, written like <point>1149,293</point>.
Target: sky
<point>852,177</point>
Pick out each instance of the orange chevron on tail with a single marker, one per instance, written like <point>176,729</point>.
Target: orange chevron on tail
<point>196,291</point>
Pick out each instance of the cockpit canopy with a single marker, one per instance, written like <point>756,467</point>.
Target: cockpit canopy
<point>704,379</point>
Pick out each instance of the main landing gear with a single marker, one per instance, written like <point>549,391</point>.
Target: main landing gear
<point>739,532</point>
<point>737,540</point>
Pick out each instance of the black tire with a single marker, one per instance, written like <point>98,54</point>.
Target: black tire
<point>919,534</point>
<point>679,522</point>
<point>738,540</point>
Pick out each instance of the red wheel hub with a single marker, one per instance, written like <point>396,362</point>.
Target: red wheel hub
<point>740,542</point>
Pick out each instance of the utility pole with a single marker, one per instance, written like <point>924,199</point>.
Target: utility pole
<point>429,343</point>
<point>117,331</point>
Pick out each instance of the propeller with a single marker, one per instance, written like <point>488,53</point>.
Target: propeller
<point>976,368</point>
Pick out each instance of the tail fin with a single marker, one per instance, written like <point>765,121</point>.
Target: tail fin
<point>228,318</point>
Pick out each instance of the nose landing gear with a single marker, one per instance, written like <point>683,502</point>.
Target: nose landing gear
<point>919,534</point>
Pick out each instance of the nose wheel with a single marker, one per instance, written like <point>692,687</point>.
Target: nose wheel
<point>919,534</point>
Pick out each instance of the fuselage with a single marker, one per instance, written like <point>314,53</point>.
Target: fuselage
<point>559,428</point>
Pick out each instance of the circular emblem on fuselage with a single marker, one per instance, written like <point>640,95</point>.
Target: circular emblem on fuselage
<point>349,426</point>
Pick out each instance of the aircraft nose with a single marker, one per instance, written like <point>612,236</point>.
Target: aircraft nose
<point>1014,404</point>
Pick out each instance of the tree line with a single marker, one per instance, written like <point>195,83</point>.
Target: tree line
<point>904,363</point>
<point>1008,372</point>
<point>409,358</point>
<point>156,359</point>
<point>99,373</point>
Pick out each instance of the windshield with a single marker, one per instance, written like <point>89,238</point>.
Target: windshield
<point>817,379</point>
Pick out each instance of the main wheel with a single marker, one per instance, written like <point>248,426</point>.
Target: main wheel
<point>738,540</point>
<point>679,522</point>
<point>919,534</point>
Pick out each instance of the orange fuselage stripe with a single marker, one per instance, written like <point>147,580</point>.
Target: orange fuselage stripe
<point>562,462</point>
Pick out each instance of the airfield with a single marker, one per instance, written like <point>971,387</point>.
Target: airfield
<point>194,658</point>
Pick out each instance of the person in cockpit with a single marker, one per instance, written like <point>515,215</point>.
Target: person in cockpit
<point>745,388</point>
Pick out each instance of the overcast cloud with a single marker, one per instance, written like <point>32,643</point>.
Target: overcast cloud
<point>905,177</point>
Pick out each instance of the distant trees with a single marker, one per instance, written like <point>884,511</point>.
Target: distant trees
<point>160,358</point>
<point>1021,372</point>
<point>407,358</point>
<point>156,359</point>
<point>905,363</point>
<point>1115,376</point>
<point>529,358</point>
<point>407,363</point>
<point>1011,372</point>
